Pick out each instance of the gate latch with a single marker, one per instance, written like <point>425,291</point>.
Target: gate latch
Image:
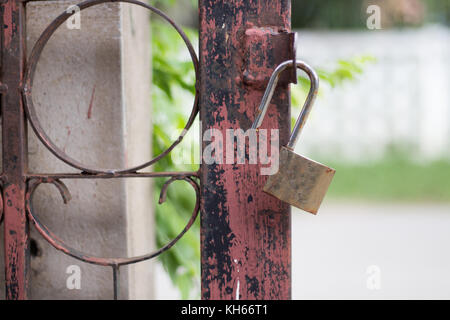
<point>265,49</point>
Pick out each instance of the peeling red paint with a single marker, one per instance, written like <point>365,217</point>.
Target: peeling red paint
<point>245,236</point>
<point>8,20</point>
<point>15,242</point>
<point>14,154</point>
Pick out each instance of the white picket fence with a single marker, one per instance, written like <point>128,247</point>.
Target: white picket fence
<point>403,99</point>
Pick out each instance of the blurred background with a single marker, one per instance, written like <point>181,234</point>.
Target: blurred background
<point>382,121</point>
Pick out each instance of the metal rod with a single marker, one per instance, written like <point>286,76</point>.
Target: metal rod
<point>43,176</point>
<point>268,94</point>
<point>314,87</point>
<point>116,281</point>
<point>14,153</point>
<point>307,106</point>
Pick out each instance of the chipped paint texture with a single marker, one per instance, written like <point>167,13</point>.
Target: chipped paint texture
<point>14,154</point>
<point>246,238</point>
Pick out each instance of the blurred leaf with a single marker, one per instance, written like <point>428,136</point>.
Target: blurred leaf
<point>173,74</point>
<point>344,71</point>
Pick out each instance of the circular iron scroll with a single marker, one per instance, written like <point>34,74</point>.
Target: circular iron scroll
<point>29,77</point>
<point>59,244</point>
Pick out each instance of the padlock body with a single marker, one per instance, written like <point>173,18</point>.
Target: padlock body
<point>299,181</point>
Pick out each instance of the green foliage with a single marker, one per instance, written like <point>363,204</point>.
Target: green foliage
<point>395,177</point>
<point>351,14</point>
<point>170,3</point>
<point>173,76</point>
<point>438,11</point>
<point>344,71</point>
<point>330,14</point>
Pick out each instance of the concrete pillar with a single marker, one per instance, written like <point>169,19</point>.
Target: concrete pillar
<point>92,95</point>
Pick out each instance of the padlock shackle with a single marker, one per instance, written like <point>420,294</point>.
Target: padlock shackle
<point>268,94</point>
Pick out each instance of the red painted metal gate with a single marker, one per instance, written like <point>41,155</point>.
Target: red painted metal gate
<point>246,246</point>
<point>246,234</point>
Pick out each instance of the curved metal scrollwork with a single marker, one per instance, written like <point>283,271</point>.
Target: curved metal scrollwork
<point>59,244</point>
<point>35,180</point>
<point>115,263</point>
<point>30,73</point>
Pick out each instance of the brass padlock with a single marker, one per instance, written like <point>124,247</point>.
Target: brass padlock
<point>299,181</point>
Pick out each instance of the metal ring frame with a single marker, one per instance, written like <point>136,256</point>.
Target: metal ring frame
<point>35,180</point>
<point>31,69</point>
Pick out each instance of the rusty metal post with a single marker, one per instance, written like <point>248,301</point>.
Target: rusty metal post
<point>245,233</point>
<point>14,151</point>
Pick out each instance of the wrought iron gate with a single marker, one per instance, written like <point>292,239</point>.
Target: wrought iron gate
<point>18,184</point>
<point>245,242</point>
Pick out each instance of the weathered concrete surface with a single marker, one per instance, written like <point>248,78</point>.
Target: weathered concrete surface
<point>92,95</point>
<point>136,76</point>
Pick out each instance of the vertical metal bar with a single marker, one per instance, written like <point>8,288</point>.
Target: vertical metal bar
<point>14,152</point>
<point>245,233</point>
<point>116,281</point>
